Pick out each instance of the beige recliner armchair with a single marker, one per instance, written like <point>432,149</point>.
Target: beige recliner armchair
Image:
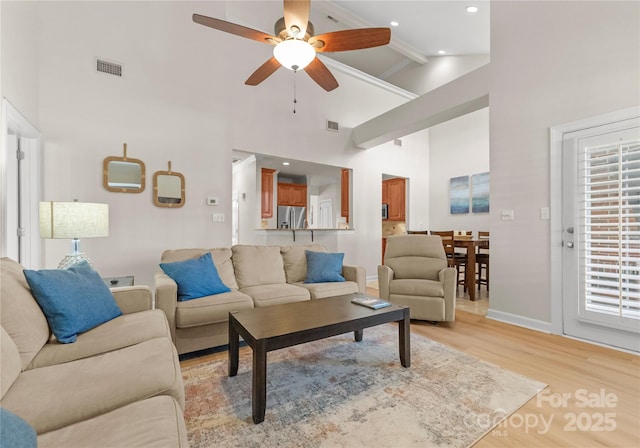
<point>415,274</point>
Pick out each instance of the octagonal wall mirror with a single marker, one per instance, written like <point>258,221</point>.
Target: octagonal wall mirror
<point>168,188</point>
<point>123,174</point>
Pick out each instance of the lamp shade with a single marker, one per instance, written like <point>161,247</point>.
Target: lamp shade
<point>294,54</point>
<point>73,220</point>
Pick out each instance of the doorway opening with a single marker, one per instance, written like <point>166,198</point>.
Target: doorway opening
<point>20,188</point>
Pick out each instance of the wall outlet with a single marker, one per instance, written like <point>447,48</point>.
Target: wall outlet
<point>212,200</point>
<point>218,217</point>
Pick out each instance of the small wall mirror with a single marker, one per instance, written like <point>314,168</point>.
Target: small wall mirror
<point>123,174</point>
<point>168,188</point>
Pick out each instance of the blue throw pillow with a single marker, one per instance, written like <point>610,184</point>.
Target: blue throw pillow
<point>15,432</point>
<point>73,300</point>
<point>324,267</point>
<point>196,277</point>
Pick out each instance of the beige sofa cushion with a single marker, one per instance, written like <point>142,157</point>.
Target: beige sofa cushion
<point>50,398</point>
<point>329,289</point>
<point>20,314</point>
<point>295,260</point>
<point>258,265</point>
<point>221,259</point>
<point>156,422</point>
<point>210,309</point>
<point>121,332</point>
<point>266,295</point>
<point>416,287</point>
<point>11,362</point>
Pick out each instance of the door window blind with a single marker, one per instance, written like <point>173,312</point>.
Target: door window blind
<point>610,214</point>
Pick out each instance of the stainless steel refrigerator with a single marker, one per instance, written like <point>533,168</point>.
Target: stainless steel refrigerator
<point>291,217</point>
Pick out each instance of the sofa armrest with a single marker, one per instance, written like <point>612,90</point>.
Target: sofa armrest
<point>356,274</point>
<point>167,299</point>
<point>133,299</point>
<point>385,275</point>
<point>448,278</point>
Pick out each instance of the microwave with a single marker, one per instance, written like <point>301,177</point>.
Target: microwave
<point>385,211</point>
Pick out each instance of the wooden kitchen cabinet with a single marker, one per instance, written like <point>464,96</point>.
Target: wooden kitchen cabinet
<point>385,192</point>
<point>292,194</point>
<point>396,198</point>
<point>266,197</point>
<point>344,194</point>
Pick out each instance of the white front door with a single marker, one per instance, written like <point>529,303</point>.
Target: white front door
<point>601,234</point>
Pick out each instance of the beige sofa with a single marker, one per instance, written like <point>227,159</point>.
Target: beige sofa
<point>257,276</point>
<point>118,385</point>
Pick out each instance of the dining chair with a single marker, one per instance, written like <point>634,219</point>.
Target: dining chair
<point>458,261</point>
<point>482,260</point>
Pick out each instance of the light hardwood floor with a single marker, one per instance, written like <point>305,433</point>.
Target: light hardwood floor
<point>593,393</point>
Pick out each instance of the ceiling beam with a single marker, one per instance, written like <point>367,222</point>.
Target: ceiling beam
<point>461,96</point>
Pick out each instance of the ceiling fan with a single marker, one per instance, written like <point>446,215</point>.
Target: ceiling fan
<point>296,45</point>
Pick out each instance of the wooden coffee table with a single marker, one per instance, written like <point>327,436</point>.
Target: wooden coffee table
<point>271,328</point>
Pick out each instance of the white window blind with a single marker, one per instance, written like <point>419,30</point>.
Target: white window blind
<point>610,213</point>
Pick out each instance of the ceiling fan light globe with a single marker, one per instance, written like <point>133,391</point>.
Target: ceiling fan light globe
<point>294,53</point>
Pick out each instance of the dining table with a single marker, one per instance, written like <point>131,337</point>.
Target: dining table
<point>470,244</point>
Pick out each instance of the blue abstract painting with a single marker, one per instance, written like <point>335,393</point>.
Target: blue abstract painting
<point>480,193</point>
<point>459,195</point>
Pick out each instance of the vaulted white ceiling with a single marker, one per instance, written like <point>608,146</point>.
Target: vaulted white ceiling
<point>424,28</point>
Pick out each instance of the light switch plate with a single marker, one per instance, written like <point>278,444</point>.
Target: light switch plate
<point>545,213</point>
<point>506,215</point>
<point>218,217</point>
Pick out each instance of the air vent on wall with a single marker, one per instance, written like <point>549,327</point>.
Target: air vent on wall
<point>332,126</point>
<point>108,67</point>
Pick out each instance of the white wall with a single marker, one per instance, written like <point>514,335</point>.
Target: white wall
<point>182,99</point>
<point>552,63</point>
<point>19,67</point>
<point>458,147</point>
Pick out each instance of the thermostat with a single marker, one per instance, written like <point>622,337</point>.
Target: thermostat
<point>212,201</point>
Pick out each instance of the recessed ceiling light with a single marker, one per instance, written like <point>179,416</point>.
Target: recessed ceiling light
<point>472,9</point>
<point>394,23</point>
<point>442,52</point>
<point>286,163</point>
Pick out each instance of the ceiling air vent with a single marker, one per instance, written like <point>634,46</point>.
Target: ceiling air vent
<point>332,126</point>
<point>108,67</point>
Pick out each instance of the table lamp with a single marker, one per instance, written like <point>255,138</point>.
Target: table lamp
<point>73,220</point>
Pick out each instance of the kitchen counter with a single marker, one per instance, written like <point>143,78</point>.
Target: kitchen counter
<point>311,231</point>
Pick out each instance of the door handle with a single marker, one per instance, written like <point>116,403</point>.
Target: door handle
<point>569,244</point>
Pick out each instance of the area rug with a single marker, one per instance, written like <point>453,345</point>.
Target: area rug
<point>340,393</point>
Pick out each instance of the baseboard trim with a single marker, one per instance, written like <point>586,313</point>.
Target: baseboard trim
<point>372,278</point>
<point>520,321</point>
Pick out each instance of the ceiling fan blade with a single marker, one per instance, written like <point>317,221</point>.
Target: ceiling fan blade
<point>296,13</point>
<point>263,72</point>
<point>351,39</point>
<point>238,30</point>
<point>321,74</point>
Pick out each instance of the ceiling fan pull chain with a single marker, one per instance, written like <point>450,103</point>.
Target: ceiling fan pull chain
<point>294,91</point>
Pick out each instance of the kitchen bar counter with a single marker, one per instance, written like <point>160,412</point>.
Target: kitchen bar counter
<point>311,231</point>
